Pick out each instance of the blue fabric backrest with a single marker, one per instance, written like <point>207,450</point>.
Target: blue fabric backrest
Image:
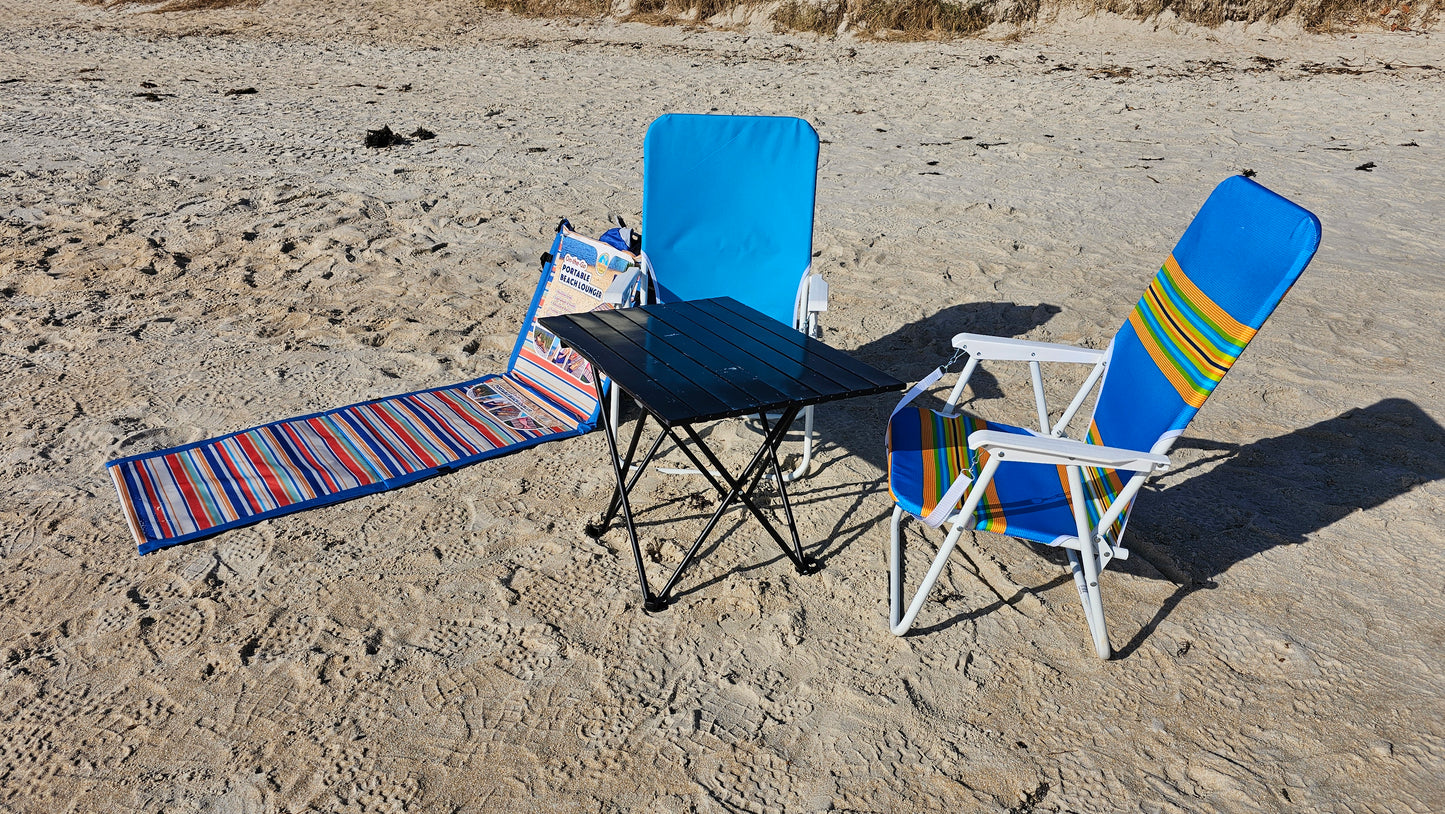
<point>1242,252</point>
<point>727,208</point>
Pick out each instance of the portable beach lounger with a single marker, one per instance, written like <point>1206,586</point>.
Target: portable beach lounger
<point>546,393</point>
<point>1238,257</point>
<point>727,211</point>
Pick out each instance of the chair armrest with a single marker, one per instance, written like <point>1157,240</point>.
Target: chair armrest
<point>996,347</point>
<point>624,282</point>
<point>1064,452</point>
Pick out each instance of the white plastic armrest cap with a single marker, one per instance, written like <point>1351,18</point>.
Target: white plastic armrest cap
<point>817,293</point>
<point>996,347</point>
<point>620,286</point>
<point>1064,451</point>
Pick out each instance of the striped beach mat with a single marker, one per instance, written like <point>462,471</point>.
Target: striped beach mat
<point>547,393</point>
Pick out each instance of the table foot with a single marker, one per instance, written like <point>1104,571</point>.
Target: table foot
<point>595,530</point>
<point>655,604</point>
<point>809,566</point>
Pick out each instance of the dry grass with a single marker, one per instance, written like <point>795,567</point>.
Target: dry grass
<point>818,18</point>
<point>676,10</point>
<point>551,8</point>
<point>918,19</point>
<point>178,5</point>
<point>900,19</point>
<point>1314,15</point>
<point>932,19</point>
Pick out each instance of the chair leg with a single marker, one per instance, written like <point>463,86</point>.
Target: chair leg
<point>1086,578</point>
<point>897,625</point>
<point>615,399</point>
<point>807,461</point>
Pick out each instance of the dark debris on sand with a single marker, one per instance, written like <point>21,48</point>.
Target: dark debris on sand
<point>385,137</point>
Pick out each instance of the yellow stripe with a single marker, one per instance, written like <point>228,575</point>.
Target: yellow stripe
<point>1166,365</point>
<point>1201,351</point>
<point>1226,324</point>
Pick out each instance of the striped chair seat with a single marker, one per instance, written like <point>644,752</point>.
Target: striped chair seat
<point>928,451</point>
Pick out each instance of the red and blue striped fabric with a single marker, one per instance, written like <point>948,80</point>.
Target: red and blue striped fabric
<point>194,491</point>
<point>176,495</point>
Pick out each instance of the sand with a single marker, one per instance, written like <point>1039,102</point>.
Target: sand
<point>178,261</point>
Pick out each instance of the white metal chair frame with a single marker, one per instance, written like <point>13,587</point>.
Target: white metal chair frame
<point>1049,447</point>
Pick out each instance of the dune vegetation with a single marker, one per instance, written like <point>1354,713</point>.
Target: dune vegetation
<point>936,19</point>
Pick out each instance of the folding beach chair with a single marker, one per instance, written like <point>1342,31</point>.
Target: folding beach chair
<point>1238,257</point>
<point>546,393</point>
<point>727,210</point>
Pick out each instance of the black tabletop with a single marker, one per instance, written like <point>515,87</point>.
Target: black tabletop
<point>701,360</point>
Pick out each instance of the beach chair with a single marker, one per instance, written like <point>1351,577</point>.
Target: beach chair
<point>727,210</point>
<point>1242,252</point>
<point>547,393</point>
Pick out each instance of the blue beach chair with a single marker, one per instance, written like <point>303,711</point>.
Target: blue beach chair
<point>1238,257</point>
<point>727,210</point>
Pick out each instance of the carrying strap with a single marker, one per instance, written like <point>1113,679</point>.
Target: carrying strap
<point>917,390</point>
<point>948,502</point>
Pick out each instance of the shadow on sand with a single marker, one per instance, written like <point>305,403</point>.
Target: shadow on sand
<point>1278,491</point>
<point>856,427</point>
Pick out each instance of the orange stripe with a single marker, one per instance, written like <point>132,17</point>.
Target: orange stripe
<point>1166,365</point>
<point>931,492</point>
<point>1222,320</point>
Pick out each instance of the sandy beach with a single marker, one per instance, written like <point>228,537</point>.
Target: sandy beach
<point>195,240</point>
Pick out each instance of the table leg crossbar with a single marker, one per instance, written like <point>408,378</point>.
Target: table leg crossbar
<point>732,490</point>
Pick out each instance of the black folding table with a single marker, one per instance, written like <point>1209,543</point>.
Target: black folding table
<point>702,360</point>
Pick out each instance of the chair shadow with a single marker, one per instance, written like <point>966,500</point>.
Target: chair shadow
<point>1235,502</point>
<point>914,350</point>
<point>1277,491</point>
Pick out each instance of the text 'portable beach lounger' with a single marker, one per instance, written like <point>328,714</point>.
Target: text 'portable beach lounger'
<point>1238,257</point>
<point>727,211</point>
<point>547,392</point>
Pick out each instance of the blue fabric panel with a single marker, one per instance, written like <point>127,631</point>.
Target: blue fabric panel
<point>1137,404</point>
<point>905,461</point>
<point>727,208</point>
<point>1032,500</point>
<point>1244,249</point>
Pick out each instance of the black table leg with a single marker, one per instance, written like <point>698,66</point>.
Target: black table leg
<point>650,602</point>
<point>598,528</point>
<point>751,476</point>
<point>800,562</point>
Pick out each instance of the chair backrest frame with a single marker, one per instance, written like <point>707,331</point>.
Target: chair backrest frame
<point>727,208</point>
